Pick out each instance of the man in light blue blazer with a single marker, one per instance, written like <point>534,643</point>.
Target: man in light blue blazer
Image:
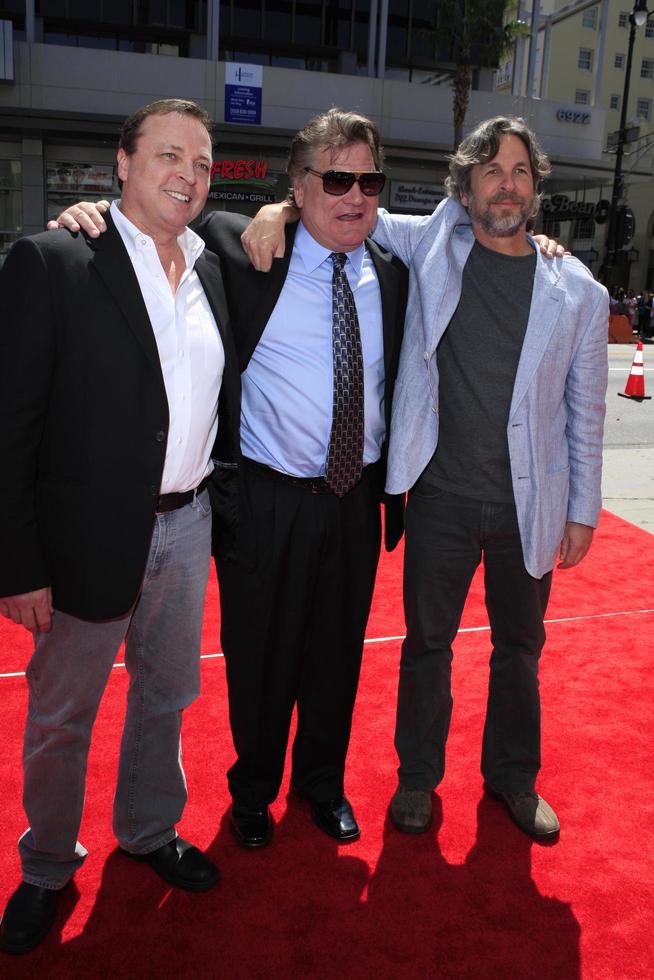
<point>496,432</point>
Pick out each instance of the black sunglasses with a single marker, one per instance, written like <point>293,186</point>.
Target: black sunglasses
<point>339,182</point>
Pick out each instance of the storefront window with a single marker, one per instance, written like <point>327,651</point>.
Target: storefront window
<point>243,184</point>
<point>11,205</point>
<point>70,182</point>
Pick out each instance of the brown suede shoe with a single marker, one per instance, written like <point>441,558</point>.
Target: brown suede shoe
<point>411,809</point>
<point>529,811</point>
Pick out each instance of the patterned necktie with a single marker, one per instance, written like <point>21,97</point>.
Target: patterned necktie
<point>345,452</point>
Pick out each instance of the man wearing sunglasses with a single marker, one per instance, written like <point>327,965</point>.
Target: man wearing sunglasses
<point>296,591</point>
<point>318,342</point>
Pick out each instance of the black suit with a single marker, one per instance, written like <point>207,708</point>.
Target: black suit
<point>296,591</point>
<point>85,419</point>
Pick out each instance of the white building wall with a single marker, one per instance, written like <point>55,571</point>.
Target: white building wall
<point>54,78</point>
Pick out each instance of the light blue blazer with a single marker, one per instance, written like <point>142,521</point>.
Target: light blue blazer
<point>557,411</point>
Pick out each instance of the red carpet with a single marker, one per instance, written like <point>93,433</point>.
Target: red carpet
<point>473,898</point>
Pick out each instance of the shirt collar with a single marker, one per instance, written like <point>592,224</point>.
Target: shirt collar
<point>136,240</point>
<point>313,254</point>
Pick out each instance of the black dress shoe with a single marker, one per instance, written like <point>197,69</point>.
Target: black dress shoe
<point>29,917</point>
<point>181,864</point>
<point>251,828</point>
<point>336,818</point>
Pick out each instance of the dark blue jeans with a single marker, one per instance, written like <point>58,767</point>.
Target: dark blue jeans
<point>446,536</point>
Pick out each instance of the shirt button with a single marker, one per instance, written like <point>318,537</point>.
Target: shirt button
<point>426,355</point>
<point>160,436</point>
<point>154,491</point>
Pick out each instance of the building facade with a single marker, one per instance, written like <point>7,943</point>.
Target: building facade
<point>73,69</point>
<point>581,62</point>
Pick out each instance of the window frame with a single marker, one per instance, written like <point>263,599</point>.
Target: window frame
<point>581,57</point>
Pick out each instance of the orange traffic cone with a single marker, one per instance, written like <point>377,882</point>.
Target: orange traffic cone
<point>635,388</point>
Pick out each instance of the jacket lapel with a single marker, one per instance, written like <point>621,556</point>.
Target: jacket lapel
<point>458,249</point>
<point>546,305</point>
<point>257,308</point>
<point>209,274</point>
<point>389,287</point>
<point>113,265</point>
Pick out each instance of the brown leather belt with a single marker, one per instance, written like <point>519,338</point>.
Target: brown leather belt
<point>173,501</point>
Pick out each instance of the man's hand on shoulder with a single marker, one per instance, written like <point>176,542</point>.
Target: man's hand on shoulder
<point>263,240</point>
<point>550,248</point>
<point>85,216</point>
<point>33,610</point>
<point>576,541</point>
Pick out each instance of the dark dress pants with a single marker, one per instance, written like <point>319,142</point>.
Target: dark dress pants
<point>446,535</point>
<point>293,624</point>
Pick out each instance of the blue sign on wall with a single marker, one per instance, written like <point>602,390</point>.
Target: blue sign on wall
<point>243,86</point>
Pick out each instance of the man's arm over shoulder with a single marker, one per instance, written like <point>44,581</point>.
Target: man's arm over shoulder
<point>27,349</point>
<point>585,395</point>
<point>402,233</point>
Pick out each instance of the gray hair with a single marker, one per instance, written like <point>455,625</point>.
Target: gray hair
<point>483,144</point>
<point>331,130</point>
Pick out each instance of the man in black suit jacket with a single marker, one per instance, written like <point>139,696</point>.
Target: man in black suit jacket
<point>297,586</point>
<point>297,581</point>
<point>115,359</point>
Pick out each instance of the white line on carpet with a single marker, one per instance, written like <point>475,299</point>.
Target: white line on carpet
<point>563,619</point>
<point>467,629</point>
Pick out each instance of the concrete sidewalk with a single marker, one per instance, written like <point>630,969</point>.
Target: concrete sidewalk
<point>628,484</point>
<point>628,476</point>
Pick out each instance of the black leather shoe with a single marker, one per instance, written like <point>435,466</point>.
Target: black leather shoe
<point>336,818</point>
<point>181,864</point>
<point>29,917</point>
<point>251,828</point>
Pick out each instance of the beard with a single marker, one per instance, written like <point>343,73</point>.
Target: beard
<point>498,225</point>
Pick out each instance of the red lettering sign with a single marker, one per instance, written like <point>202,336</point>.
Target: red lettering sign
<point>239,169</point>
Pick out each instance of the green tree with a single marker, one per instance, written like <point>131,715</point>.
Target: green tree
<point>481,33</point>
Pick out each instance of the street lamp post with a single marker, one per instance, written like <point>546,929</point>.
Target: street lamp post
<point>637,18</point>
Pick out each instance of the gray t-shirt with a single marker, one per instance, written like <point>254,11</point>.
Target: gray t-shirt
<point>477,363</point>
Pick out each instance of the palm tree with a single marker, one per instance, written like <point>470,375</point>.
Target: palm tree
<point>481,33</point>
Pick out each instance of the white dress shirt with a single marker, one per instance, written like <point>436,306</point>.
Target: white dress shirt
<point>190,350</point>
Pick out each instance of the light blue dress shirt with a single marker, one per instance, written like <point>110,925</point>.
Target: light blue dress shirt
<point>286,414</point>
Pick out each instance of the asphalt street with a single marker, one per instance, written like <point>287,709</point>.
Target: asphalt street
<point>628,476</point>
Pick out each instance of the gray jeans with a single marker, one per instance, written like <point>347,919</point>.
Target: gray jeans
<point>67,676</point>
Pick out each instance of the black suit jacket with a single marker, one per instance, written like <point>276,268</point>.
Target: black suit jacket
<point>84,419</point>
<point>252,296</point>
